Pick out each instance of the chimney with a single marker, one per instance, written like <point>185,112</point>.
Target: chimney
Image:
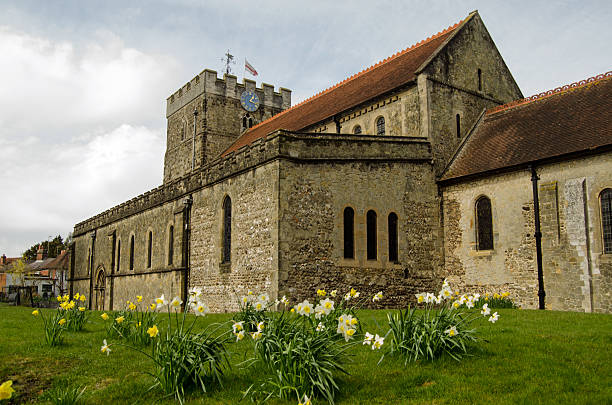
<point>3,260</point>
<point>41,253</point>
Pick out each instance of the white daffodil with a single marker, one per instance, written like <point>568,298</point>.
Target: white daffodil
<point>239,335</point>
<point>438,299</point>
<point>420,297</point>
<point>327,305</point>
<point>263,297</point>
<point>430,298</point>
<point>456,304</point>
<point>347,296</point>
<point>494,317</point>
<point>245,299</point>
<point>476,297</point>
<point>368,338</point>
<point>176,302</point>
<point>320,327</point>
<point>452,331</point>
<point>462,299</point>
<point>256,335</point>
<point>378,342</point>
<point>469,303</point>
<point>304,308</point>
<point>105,348</point>
<point>446,293</point>
<point>201,309</point>
<point>348,334</point>
<point>377,297</point>
<point>284,300</point>
<point>259,306</point>
<point>333,293</point>
<point>161,301</point>
<point>319,311</point>
<point>195,293</point>
<point>260,326</point>
<point>237,326</point>
<point>485,310</point>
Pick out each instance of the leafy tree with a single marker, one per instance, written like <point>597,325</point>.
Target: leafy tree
<point>53,247</point>
<point>19,269</point>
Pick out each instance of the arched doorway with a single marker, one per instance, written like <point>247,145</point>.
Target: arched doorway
<point>99,290</point>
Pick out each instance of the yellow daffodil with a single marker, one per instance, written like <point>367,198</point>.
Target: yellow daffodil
<point>292,309</point>
<point>104,316</point>
<point>153,331</point>
<point>76,296</point>
<point>35,312</point>
<point>496,296</point>
<point>82,298</point>
<point>59,298</point>
<point>132,306</point>
<point>81,309</point>
<point>6,390</point>
<point>139,298</point>
<point>120,319</point>
<point>66,297</point>
<point>153,306</point>
<point>321,293</point>
<point>61,321</point>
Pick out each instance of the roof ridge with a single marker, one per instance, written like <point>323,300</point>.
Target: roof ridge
<point>364,71</point>
<point>549,93</point>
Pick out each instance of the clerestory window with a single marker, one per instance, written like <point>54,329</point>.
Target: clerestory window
<point>380,126</point>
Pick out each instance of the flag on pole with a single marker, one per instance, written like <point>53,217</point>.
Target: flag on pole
<point>250,68</point>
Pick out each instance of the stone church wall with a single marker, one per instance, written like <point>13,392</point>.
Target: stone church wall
<point>313,198</point>
<point>577,275</point>
<point>254,237</point>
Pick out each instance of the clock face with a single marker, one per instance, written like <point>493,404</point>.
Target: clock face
<point>249,100</point>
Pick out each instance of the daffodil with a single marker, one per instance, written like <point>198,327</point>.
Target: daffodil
<point>368,338</point>
<point>349,334</point>
<point>377,297</point>
<point>153,306</point>
<point>139,298</point>
<point>378,342</point>
<point>104,316</point>
<point>66,297</point>
<point>496,296</point>
<point>132,306</point>
<point>321,293</point>
<point>485,310</point>
<point>237,326</point>
<point>239,335</point>
<point>305,401</point>
<point>452,331</point>
<point>161,301</point>
<point>284,300</point>
<point>333,293</point>
<point>261,326</point>
<point>35,312</point>
<point>420,297</point>
<point>82,309</point>
<point>505,294</point>
<point>259,306</point>
<point>62,321</point>
<point>120,319</point>
<point>82,298</point>
<point>430,298</point>
<point>256,335</point>
<point>456,304</point>
<point>105,348</point>
<point>354,293</point>
<point>153,331</point>
<point>264,298</point>
<point>245,299</point>
<point>76,296</point>
<point>494,317</point>
<point>201,309</point>
<point>176,302</point>
<point>320,327</point>
<point>6,390</point>
<point>59,298</point>
<point>292,309</point>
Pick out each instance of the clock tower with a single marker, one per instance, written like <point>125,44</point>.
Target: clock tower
<point>222,110</point>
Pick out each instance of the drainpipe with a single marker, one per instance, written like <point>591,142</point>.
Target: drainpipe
<point>186,259</point>
<point>195,116</point>
<point>538,235</point>
<point>91,265</point>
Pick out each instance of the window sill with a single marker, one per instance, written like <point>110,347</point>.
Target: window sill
<point>225,268</point>
<point>605,257</point>
<point>482,253</point>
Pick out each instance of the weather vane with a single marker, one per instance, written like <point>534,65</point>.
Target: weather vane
<point>228,60</point>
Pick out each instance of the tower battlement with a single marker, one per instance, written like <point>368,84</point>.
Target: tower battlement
<point>208,82</point>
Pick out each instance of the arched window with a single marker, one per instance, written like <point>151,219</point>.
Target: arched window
<point>183,130</point>
<point>380,126</point>
<point>170,244</point>
<point>357,129</point>
<point>247,121</point>
<point>392,228</point>
<point>484,224</point>
<point>458,124</point>
<point>479,80</point>
<point>118,254</point>
<point>132,252</point>
<point>349,233</point>
<point>149,249</point>
<point>227,230</point>
<point>371,234</point>
<point>606,219</point>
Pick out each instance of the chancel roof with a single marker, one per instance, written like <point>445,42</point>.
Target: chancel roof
<point>386,75</point>
<point>570,119</point>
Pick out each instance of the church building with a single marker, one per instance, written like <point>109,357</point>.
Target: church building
<point>421,167</point>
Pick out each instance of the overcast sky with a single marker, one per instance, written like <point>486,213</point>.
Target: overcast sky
<point>83,83</point>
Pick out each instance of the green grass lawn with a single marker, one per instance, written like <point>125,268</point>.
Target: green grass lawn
<point>530,357</point>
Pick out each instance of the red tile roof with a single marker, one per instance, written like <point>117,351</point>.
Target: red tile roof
<point>378,79</point>
<point>569,119</point>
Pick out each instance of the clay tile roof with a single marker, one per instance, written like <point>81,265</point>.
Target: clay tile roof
<point>378,79</point>
<point>570,119</point>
